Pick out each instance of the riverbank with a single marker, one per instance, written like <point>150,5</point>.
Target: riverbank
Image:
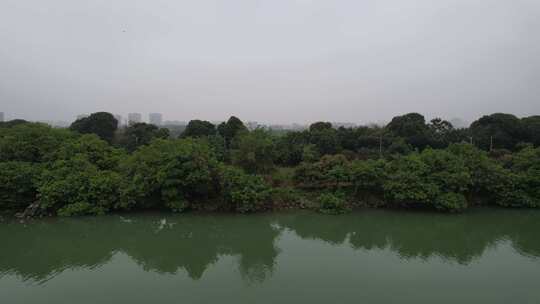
<point>61,172</point>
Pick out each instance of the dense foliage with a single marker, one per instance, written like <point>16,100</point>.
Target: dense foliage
<point>95,168</point>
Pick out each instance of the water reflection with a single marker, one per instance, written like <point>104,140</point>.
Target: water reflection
<point>39,250</point>
<point>455,238</point>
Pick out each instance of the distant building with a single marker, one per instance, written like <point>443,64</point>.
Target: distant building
<point>155,119</point>
<point>252,125</point>
<point>2,116</point>
<point>118,117</point>
<point>134,118</point>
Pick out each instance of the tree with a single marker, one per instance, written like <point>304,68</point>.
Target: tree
<point>175,174</point>
<point>412,127</point>
<point>77,187</point>
<point>140,134</point>
<point>97,151</point>
<point>199,128</point>
<point>319,126</point>
<point>290,148</point>
<point>442,133</point>
<point>12,123</point>
<point>497,130</point>
<point>31,142</point>
<point>326,140</point>
<point>18,184</point>
<point>102,124</point>
<point>531,127</point>
<point>228,130</point>
<point>433,178</point>
<point>254,151</point>
<point>244,192</point>
<point>332,204</point>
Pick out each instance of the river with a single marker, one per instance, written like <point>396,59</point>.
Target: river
<point>373,256</point>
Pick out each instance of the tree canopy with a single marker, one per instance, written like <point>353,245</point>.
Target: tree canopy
<point>102,124</point>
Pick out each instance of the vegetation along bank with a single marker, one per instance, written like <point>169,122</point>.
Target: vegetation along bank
<point>95,168</point>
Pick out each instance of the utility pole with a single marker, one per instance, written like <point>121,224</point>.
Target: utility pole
<point>491,144</point>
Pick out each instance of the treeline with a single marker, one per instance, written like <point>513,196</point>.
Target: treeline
<point>94,167</point>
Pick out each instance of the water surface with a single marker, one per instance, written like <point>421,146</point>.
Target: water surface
<point>482,256</point>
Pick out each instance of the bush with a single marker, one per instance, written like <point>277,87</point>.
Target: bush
<point>332,204</point>
<point>244,192</point>
<point>451,202</point>
<point>77,187</point>
<point>97,151</point>
<point>407,182</point>
<point>331,172</point>
<point>18,185</point>
<point>368,176</point>
<point>254,151</point>
<point>31,142</point>
<point>169,173</point>
<point>285,197</point>
<point>433,178</point>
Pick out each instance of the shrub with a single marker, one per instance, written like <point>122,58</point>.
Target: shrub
<point>31,142</point>
<point>285,197</point>
<point>254,151</point>
<point>331,172</point>
<point>18,184</point>
<point>244,192</point>
<point>451,202</point>
<point>368,175</point>
<point>407,182</point>
<point>332,204</point>
<point>432,178</point>
<point>169,173</point>
<point>77,187</point>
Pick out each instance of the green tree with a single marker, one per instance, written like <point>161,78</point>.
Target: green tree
<point>434,178</point>
<point>320,126</point>
<point>140,134</point>
<point>254,151</point>
<point>18,184</point>
<point>531,127</point>
<point>199,128</point>
<point>77,187</point>
<point>102,124</point>
<point>290,148</point>
<point>326,141</point>
<point>228,130</point>
<point>412,127</point>
<point>503,130</point>
<point>31,142</point>
<point>175,174</point>
<point>97,151</point>
<point>331,203</point>
<point>244,192</point>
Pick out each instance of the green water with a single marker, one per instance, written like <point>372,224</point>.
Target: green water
<point>483,256</point>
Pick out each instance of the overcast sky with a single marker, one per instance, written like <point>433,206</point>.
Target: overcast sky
<point>274,61</point>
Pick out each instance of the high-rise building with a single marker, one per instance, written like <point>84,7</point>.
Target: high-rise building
<point>252,125</point>
<point>2,116</point>
<point>134,118</point>
<point>118,117</point>
<point>155,119</point>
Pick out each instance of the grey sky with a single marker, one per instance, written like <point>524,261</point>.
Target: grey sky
<point>272,61</point>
